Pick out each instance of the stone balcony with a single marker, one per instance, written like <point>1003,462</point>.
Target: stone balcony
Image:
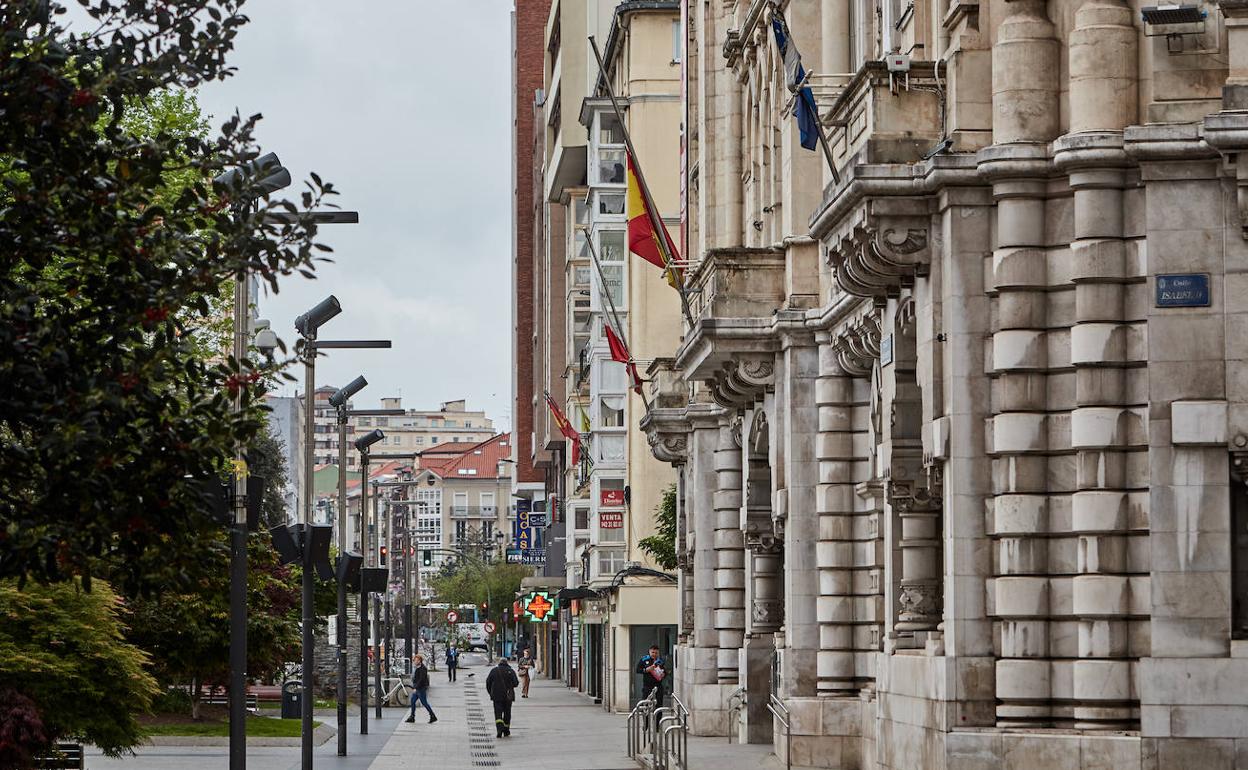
<point>883,117</point>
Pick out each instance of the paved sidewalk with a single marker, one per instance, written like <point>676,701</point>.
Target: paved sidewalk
<point>553,729</point>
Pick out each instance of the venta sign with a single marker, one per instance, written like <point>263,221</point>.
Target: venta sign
<point>611,519</point>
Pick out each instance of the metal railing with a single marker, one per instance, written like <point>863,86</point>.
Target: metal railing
<point>639,725</point>
<point>658,736</point>
<point>673,738</point>
<point>782,715</point>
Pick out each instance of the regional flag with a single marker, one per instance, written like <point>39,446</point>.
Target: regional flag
<point>642,239</point>
<point>619,353</point>
<point>565,427</point>
<point>795,78</point>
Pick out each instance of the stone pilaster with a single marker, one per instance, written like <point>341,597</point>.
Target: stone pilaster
<point>848,597</point>
<point>729,546</point>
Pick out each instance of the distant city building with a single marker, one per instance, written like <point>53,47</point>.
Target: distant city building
<point>286,426</point>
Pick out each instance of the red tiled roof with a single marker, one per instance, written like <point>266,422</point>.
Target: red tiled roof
<point>483,457</point>
<point>449,448</point>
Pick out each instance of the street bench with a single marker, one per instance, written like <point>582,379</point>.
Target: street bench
<point>62,756</point>
<point>253,703</point>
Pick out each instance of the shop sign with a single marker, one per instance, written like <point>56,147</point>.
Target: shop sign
<point>537,519</point>
<point>533,557</point>
<point>611,497</point>
<point>538,606</point>
<point>611,519</point>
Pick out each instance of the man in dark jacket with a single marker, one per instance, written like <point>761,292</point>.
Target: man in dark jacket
<point>501,685</point>
<point>653,670</point>
<point>420,686</point>
<point>452,663</point>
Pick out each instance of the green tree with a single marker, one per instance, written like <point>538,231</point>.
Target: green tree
<point>113,420</point>
<point>62,654</point>
<point>472,579</point>
<point>187,632</point>
<point>661,546</point>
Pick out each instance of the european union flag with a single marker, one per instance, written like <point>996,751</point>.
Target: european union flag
<point>805,110</point>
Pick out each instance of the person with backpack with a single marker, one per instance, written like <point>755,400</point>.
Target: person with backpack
<point>653,669</point>
<point>501,685</point>
<point>420,687</point>
<point>452,663</point>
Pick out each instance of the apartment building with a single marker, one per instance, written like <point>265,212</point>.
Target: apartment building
<point>601,508</point>
<point>417,430</point>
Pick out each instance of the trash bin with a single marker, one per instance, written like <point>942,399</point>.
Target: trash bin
<point>292,699</point>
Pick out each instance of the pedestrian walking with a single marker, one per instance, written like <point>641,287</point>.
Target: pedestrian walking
<point>653,669</point>
<point>501,685</point>
<point>420,687</point>
<point>452,663</point>
<point>524,666</point>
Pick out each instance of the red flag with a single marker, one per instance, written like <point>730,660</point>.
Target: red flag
<point>619,353</point>
<point>565,427</point>
<point>642,239</point>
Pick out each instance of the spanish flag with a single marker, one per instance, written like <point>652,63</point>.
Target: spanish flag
<point>642,239</point>
<point>619,353</point>
<point>565,427</point>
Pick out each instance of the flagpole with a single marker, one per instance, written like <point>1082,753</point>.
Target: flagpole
<point>615,316</point>
<point>801,94</point>
<point>660,232</point>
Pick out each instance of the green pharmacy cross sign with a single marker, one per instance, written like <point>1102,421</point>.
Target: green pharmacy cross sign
<point>538,606</point>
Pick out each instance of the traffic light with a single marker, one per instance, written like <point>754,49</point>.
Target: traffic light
<point>384,551</point>
<point>426,558</point>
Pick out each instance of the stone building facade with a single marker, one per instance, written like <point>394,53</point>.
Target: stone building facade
<point>961,432</point>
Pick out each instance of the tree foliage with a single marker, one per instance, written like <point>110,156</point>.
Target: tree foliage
<point>187,631</point>
<point>62,654</point>
<point>471,579</point>
<point>111,418</point>
<point>661,546</point>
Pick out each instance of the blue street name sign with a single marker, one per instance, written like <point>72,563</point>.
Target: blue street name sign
<point>1183,290</point>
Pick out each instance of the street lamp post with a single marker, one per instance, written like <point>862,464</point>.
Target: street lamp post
<point>339,401</point>
<point>307,325</point>
<point>361,445</point>
<point>267,176</point>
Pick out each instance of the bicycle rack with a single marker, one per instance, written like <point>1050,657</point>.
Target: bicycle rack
<point>639,725</point>
<point>781,713</point>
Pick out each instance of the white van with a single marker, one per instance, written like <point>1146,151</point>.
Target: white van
<point>475,636</point>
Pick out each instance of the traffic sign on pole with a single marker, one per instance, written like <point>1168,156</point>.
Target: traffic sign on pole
<point>452,616</point>
<point>490,627</point>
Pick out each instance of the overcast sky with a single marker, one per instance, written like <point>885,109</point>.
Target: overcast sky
<point>405,106</point>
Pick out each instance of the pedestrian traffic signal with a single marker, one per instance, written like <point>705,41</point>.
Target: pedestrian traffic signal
<point>426,558</point>
<point>384,551</point>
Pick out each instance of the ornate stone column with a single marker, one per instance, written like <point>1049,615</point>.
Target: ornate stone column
<point>1025,106</point>
<point>848,607</point>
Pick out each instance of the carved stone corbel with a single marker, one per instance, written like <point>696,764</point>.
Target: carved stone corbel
<point>857,346</point>
<point>883,253</point>
<point>742,381</point>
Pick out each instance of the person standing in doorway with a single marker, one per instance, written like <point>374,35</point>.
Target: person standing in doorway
<point>420,688</point>
<point>501,685</point>
<point>653,669</point>
<point>524,667</point>
<point>452,663</point>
